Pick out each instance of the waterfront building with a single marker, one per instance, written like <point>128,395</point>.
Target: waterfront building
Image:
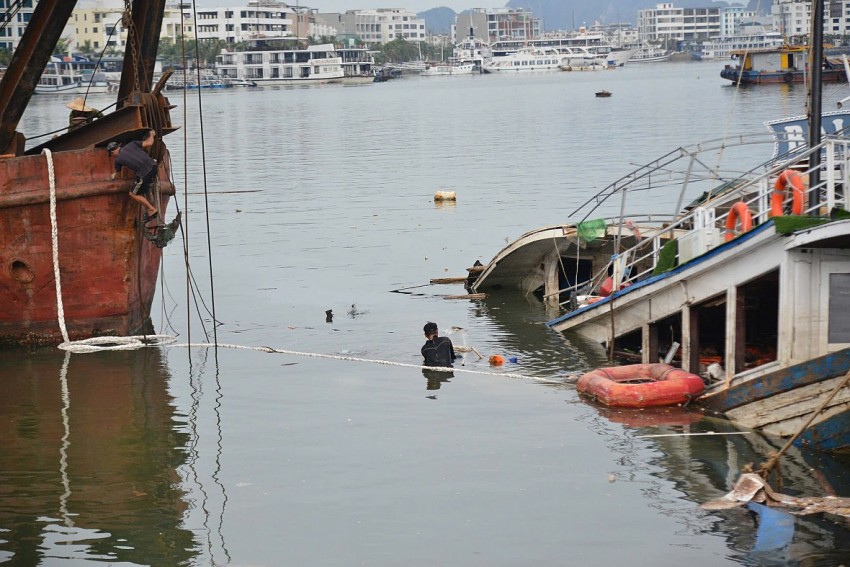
<point>98,25</point>
<point>12,31</point>
<point>496,24</point>
<point>668,24</point>
<point>377,26</point>
<point>793,18</point>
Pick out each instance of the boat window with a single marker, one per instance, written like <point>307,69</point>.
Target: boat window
<point>758,318</point>
<point>662,334</point>
<point>708,334</point>
<point>628,348</point>
<point>839,306</point>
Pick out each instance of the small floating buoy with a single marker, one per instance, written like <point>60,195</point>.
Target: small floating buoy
<point>445,196</point>
<point>497,360</point>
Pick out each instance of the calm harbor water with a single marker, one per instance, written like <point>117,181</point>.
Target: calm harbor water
<point>318,199</point>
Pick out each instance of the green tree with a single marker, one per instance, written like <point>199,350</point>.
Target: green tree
<point>62,46</point>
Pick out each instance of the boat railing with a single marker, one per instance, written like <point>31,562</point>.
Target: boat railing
<point>704,226</point>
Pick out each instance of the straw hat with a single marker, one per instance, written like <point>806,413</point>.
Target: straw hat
<point>79,104</point>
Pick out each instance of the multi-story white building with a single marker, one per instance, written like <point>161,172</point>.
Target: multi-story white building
<point>667,23</point>
<point>12,32</point>
<point>793,18</point>
<point>497,24</point>
<point>378,26</point>
<point>260,18</point>
<point>99,25</point>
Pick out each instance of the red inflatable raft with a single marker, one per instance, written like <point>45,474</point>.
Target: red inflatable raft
<point>641,385</point>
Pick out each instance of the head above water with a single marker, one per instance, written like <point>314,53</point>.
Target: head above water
<point>430,329</point>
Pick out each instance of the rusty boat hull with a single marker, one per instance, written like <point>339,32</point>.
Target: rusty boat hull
<point>107,268</point>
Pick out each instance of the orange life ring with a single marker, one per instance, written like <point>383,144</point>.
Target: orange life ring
<point>641,385</point>
<point>739,211</point>
<point>788,178</point>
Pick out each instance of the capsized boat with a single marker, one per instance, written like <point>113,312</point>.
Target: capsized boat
<point>95,240</point>
<point>750,297</point>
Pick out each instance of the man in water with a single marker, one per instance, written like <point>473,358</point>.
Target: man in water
<point>437,351</point>
<point>132,155</point>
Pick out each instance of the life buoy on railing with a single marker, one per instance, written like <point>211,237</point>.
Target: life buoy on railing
<point>788,178</point>
<point>641,385</point>
<point>788,77</point>
<point>738,212</point>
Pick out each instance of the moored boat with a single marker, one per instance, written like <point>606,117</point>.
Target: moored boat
<point>73,246</point>
<point>266,64</point>
<point>786,64</point>
<point>650,54</point>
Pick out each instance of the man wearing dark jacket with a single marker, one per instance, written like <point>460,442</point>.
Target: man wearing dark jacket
<point>133,156</point>
<point>437,351</point>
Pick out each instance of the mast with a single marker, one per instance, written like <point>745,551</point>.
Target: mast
<point>815,91</point>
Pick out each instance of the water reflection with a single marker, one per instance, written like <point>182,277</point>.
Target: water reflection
<point>89,457</point>
<point>703,457</point>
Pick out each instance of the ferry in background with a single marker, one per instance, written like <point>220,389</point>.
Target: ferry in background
<point>357,64</point>
<point>543,59</point>
<point>266,66</point>
<point>722,47</point>
<point>447,69</point>
<point>597,44</point>
<point>73,74</point>
<point>651,54</point>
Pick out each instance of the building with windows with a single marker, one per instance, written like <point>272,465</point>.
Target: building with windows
<point>794,18</point>
<point>20,13</point>
<point>497,24</point>
<point>668,24</point>
<point>378,26</point>
<point>99,26</point>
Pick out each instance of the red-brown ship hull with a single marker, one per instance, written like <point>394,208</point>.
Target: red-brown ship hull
<point>108,270</point>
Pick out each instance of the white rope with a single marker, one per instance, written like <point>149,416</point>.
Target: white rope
<point>63,450</point>
<point>54,237</point>
<point>369,360</point>
<point>94,344</point>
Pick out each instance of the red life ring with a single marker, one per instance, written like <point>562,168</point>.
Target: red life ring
<point>739,211</point>
<point>788,178</point>
<point>641,385</point>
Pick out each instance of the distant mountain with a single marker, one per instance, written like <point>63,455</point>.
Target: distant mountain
<point>438,20</point>
<point>571,14</point>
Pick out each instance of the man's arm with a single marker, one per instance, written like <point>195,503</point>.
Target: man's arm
<point>148,142</point>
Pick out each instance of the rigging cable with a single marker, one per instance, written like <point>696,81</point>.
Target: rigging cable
<point>204,170</point>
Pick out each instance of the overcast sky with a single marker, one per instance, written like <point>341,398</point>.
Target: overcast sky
<point>343,5</point>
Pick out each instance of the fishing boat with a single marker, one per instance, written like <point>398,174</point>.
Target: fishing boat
<point>785,64</point>
<point>76,257</point>
<point>744,283</point>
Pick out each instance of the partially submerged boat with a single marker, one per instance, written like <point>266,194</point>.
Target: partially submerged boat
<point>74,249</point>
<point>751,297</point>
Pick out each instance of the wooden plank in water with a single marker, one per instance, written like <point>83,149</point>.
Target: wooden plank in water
<point>468,296</point>
<point>448,280</point>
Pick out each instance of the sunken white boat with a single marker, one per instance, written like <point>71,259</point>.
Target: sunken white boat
<point>748,290</point>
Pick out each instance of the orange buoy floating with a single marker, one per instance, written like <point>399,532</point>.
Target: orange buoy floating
<point>641,385</point>
<point>497,360</point>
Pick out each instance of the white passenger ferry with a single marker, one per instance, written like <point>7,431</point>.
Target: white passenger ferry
<point>722,47</point>
<point>269,66</point>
